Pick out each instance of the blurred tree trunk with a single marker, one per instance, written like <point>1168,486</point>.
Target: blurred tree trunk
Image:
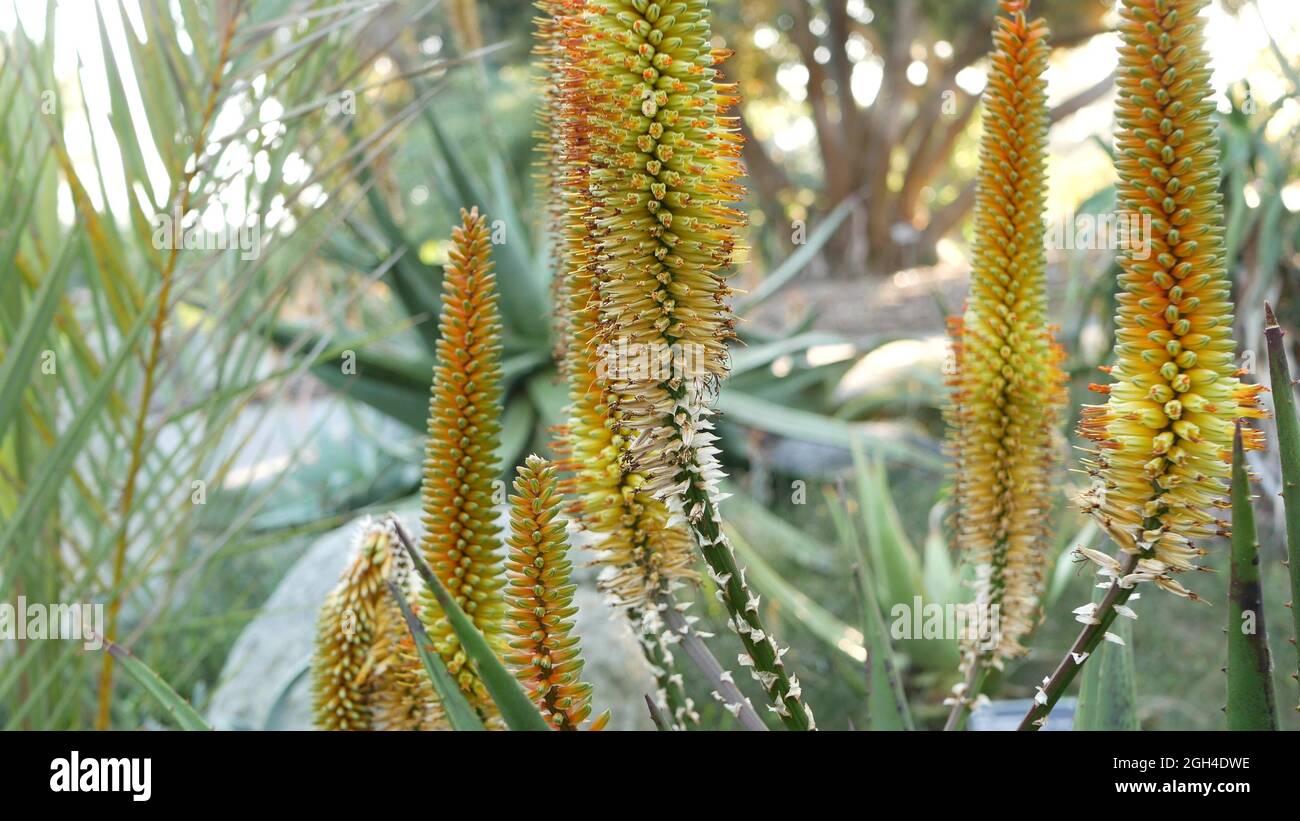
<point>894,153</point>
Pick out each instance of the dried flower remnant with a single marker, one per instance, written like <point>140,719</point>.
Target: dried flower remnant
<point>1165,433</point>
<point>1007,384</point>
<point>547,657</point>
<point>353,633</point>
<point>664,182</point>
<point>460,541</point>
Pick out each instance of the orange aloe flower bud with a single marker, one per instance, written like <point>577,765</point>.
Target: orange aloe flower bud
<point>461,541</point>
<point>1007,383</point>
<point>353,622</point>
<point>545,654</point>
<point>1165,434</point>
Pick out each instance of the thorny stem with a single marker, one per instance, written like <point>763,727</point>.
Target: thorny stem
<point>661,721</point>
<point>698,652</point>
<point>742,605</point>
<point>667,681</point>
<point>1088,639</point>
<point>103,714</point>
<point>975,678</point>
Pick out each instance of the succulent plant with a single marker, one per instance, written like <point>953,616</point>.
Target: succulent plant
<point>461,542</point>
<point>546,655</point>
<point>663,182</point>
<point>1007,384</point>
<point>353,631</point>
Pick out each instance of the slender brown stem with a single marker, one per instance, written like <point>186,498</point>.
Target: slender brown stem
<point>103,713</point>
<point>1083,646</point>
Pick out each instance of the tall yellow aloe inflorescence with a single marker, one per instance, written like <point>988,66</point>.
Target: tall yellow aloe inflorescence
<point>1007,384</point>
<point>546,655</point>
<point>353,632</point>
<point>460,541</point>
<point>643,557</point>
<point>1165,433</point>
<point>662,229</point>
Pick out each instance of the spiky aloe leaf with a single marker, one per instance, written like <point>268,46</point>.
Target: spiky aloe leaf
<point>177,707</point>
<point>460,715</point>
<point>1008,387</point>
<point>1251,704</point>
<point>1288,445</point>
<point>886,700</point>
<point>461,542</point>
<point>547,656</point>
<point>508,697</point>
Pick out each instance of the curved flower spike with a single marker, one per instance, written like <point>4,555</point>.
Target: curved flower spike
<point>539,601</point>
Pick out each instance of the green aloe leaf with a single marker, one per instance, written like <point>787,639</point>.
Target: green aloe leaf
<point>892,553</point>
<point>178,708</point>
<point>797,261</point>
<point>1288,445</point>
<point>886,699</point>
<point>1251,704</point>
<point>517,709</point>
<point>460,714</point>
<point>806,426</point>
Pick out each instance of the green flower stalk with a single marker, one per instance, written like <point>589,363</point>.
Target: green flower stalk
<point>1007,385</point>
<point>546,656</point>
<point>663,186</point>
<point>1164,436</point>
<point>461,542</point>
